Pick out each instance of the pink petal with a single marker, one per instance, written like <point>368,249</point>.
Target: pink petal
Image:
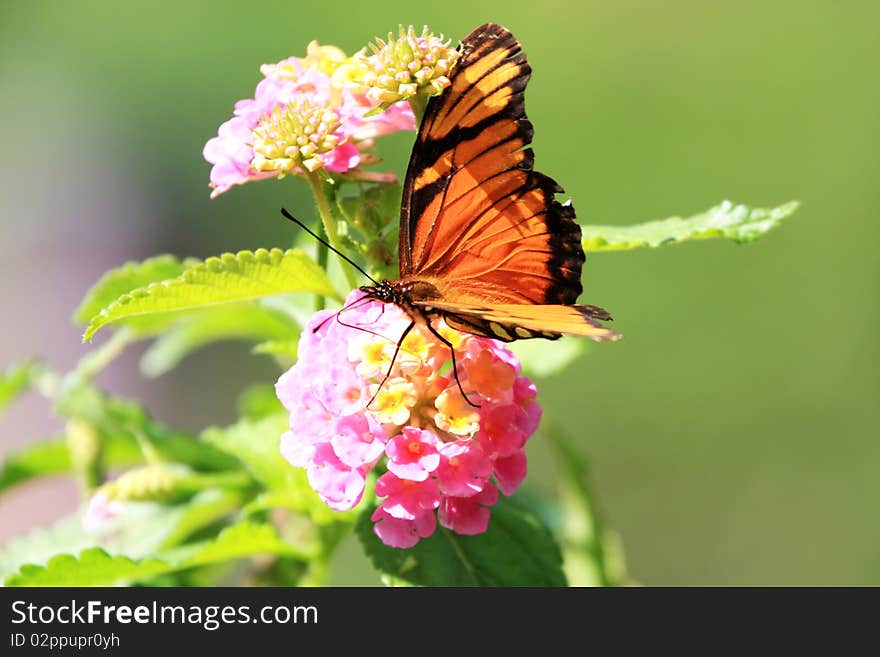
<point>463,470</point>
<point>468,515</point>
<point>355,443</point>
<point>510,472</point>
<point>339,486</point>
<point>401,533</point>
<point>413,454</point>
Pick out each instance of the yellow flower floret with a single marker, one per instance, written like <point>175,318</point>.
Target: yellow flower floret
<point>454,414</point>
<point>294,136</point>
<point>394,401</point>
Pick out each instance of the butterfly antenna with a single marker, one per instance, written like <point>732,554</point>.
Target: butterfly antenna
<point>327,244</point>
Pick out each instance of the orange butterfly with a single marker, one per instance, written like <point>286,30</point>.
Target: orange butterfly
<point>484,244</point>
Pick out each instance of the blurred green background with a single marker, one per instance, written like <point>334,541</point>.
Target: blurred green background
<point>732,434</point>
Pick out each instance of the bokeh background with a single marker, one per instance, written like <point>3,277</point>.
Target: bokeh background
<point>732,434</point>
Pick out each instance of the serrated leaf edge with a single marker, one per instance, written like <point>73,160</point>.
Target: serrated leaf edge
<point>224,263</point>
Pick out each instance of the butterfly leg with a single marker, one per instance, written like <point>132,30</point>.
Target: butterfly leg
<point>353,304</point>
<point>393,359</point>
<point>436,334</point>
<point>379,316</point>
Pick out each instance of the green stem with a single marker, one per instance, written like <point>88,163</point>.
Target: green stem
<point>323,252</point>
<point>329,222</point>
<point>85,445</point>
<point>316,573</point>
<point>583,530</point>
<point>96,360</point>
<point>318,568</point>
<point>46,382</point>
<point>221,480</point>
<point>418,103</point>
<point>149,451</point>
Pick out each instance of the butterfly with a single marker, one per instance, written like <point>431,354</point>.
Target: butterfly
<point>484,244</point>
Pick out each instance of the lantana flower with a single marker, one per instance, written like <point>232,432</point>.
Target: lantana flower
<point>444,459</point>
<point>411,64</point>
<point>305,115</point>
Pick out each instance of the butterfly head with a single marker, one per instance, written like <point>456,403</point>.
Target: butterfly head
<point>383,291</point>
<point>401,292</point>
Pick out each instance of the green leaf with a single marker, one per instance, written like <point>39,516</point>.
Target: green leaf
<point>257,444</point>
<point>517,550</point>
<point>119,419</point>
<point>258,401</point>
<point>39,544</point>
<point>143,529</point>
<point>593,555</point>
<point>47,457</point>
<point>375,208</point>
<point>230,278</point>
<point>542,359</point>
<point>52,457</point>
<point>245,321</point>
<point>126,278</point>
<point>93,567</point>
<point>243,539</point>
<point>96,567</point>
<point>16,379</point>
<point>277,348</point>
<point>736,222</point>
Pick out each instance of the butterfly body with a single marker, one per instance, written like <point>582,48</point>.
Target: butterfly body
<point>484,244</point>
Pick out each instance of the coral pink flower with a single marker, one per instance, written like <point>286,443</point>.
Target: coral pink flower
<point>464,469</point>
<point>400,533</point>
<point>406,498</point>
<point>510,471</point>
<point>413,454</point>
<point>441,453</point>
<point>468,515</point>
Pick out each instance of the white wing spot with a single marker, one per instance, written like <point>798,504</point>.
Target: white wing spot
<point>522,333</point>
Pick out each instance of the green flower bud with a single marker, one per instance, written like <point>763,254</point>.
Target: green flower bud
<point>85,445</point>
<point>408,65</point>
<point>161,482</point>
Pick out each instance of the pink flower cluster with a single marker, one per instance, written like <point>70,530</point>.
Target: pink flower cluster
<point>305,115</point>
<point>445,460</point>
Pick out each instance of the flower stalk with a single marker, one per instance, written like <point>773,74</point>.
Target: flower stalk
<point>95,361</point>
<point>418,103</point>
<point>329,223</point>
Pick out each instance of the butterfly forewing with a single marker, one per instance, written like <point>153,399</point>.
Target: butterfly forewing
<point>477,221</point>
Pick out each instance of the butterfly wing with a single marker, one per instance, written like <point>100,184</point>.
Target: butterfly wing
<point>508,322</point>
<point>473,207</point>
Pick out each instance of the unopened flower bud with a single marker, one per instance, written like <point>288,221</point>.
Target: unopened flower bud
<point>408,65</point>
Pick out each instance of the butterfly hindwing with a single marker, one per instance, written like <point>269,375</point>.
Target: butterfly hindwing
<point>508,322</point>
